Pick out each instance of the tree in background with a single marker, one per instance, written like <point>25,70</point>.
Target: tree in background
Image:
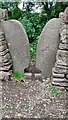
<point>34,22</point>
<point>13,11</point>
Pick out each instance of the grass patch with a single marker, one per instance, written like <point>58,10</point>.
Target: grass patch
<point>30,103</point>
<point>55,92</point>
<point>18,76</point>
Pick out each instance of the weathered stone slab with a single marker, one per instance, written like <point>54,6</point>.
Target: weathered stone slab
<point>1,33</point>
<point>1,39</point>
<point>61,66</point>
<point>58,75</point>
<point>6,63</point>
<point>64,26</point>
<point>18,44</point>
<point>7,56</point>
<point>4,68</point>
<point>61,16</point>
<point>59,70</point>
<point>6,60</point>
<point>63,46</point>
<point>2,43</point>
<point>64,32</point>
<point>62,84</point>
<point>3,14</point>
<point>0,13</point>
<point>60,62</point>
<point>64,37</point>
<point>2,48</point>
<point>4,75</point>
<point>0,59</point>
<point>4,52</point>
<point>67,76</point>
<point>65,41</point>
<point>47,46</point>
<point>59,80</point>
<point>66,16</point>
<point>62,58</point>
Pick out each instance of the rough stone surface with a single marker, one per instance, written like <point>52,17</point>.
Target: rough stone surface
<point>18,44</point>
<point>63,46</point>
<point>0,13</point>
<point>66,15</point>
<point>64,84</point>
<point>3,14</point>
<point>62,58</point>
<point>60,70</point>
<point>5,59</point>
<point>47,46</point>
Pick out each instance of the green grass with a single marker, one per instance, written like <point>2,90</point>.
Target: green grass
<point>30,103</point>
<point>55,91</point>
<point>17,75</point>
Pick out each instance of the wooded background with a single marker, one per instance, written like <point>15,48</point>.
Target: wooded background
<point>31,20</point>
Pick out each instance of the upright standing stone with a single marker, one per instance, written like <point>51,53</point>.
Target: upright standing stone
<point>60,69</point>
<point>47,46</point>
<point>18,44</point>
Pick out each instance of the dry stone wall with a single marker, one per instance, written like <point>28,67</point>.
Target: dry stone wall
<point>5,58</point>
<point>60,69</point>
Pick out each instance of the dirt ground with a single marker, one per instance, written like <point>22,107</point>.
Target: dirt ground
<point>32,99</point>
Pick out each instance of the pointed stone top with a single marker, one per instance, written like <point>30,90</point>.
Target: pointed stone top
<point>65,17</point>
<point>61,14</point>
<point>3,14</point>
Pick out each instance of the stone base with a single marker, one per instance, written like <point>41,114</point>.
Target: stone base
<point>59,70</point>
<point>63,46</point>
<point>5,75</point>
<point>61,84</point>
